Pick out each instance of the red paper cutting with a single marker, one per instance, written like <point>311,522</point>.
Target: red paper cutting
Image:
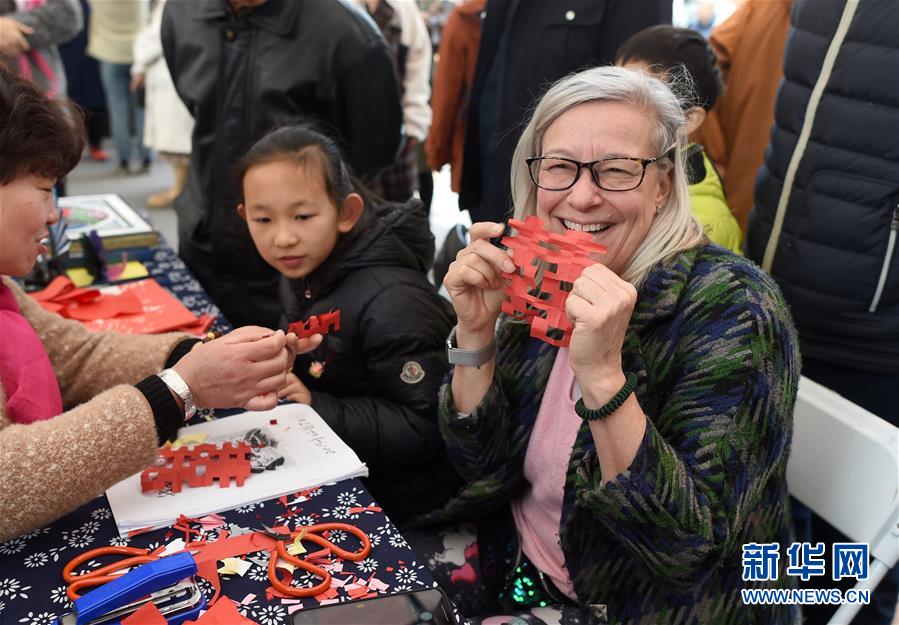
<point>316,324</point>
<point>147,614</point>
<point>224,612</point>
<point>563,258</point>
<point>141,307</point>
<point>198,465</point>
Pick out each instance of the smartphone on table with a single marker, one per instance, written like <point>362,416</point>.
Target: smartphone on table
<point>418,607</point>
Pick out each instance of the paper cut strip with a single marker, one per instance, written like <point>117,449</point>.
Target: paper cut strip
<point>147,614</point>
<point>224,612</point>
<point>316,324</point>
<point>198,466</point>
<point>562,258</point>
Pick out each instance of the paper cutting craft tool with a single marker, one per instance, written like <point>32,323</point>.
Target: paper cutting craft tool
<point>168,582</point>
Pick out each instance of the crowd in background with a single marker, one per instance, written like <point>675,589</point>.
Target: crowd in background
<point>790,144</point>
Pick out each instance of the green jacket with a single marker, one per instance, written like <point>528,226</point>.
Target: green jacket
<point>709,203</point>
<point>715,353</point>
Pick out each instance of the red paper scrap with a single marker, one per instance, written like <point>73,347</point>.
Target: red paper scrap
<point>141,307</point>
<point>208,555</point>
<point>200,326</point>
<point>316,324</point>
<point>147,614</point>
<point>330,593</point>
<point>140,530</point>
<point>358,509</point>
<point>198,466</point>
<point>224,612</point>
<point>565,256</point>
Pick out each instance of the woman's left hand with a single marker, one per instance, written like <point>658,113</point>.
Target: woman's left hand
<point>599,306</point>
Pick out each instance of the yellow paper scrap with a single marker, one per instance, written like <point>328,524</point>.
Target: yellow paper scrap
<point>287,566</point>
<point>81,277</point>
<point>296,547</point>
<point>190,439</point>
<point>232,566</point>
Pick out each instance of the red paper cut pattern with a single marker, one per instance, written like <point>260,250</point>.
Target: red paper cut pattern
<point>198,466</point>
<point>563,258</point>
<point>316,324</point>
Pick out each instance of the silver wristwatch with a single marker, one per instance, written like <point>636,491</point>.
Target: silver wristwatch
<point>468,357</point>
<point>179,387</point>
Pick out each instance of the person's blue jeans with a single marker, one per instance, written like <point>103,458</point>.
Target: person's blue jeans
<point>122,107</point>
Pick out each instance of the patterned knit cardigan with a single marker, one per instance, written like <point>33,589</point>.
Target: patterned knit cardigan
<point>715,352</point>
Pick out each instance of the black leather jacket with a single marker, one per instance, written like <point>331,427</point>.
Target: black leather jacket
<point>241,75</point>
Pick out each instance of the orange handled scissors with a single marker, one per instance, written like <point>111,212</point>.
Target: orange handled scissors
<point>102,575</point>
<point>314,534</point>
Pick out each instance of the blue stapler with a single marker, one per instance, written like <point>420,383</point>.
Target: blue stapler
<point>167,582</point>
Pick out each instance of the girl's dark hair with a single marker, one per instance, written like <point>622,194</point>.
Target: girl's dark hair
<point>304,143</point>
<point>38,136</point>
<point>671,50</point>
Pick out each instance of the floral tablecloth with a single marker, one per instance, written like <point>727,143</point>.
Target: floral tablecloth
<point>32,590</point>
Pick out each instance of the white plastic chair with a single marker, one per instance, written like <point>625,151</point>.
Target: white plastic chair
<point>844,465</point>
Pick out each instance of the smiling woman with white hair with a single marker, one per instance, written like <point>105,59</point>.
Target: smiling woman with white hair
<point>622,475</point>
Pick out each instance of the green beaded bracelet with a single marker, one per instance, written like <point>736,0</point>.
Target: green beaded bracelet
<point>612,405</point>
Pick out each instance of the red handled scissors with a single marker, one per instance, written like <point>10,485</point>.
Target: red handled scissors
<point>102,575</point>
<point>314,534</point>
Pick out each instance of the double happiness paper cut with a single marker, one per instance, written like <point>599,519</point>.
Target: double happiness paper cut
<point>198,466</point>
<point>562,258</point>
<point>316,324</point>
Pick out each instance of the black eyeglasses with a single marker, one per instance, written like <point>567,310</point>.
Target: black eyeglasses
<point>555,173</point>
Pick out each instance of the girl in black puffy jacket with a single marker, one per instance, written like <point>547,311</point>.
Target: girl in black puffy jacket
<point>375,380</point>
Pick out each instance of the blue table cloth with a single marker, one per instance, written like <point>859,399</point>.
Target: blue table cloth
<point>32,591</point>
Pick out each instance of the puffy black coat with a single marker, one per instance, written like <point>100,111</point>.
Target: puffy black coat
<point>837,258</point>
<point>240,75</point>
<point>383,368</point>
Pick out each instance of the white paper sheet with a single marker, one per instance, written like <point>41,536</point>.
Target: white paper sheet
<point>312,455</point>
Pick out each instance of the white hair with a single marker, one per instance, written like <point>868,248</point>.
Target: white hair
<point>674,229</point>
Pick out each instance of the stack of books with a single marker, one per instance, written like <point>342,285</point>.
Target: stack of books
<point>119,225</point>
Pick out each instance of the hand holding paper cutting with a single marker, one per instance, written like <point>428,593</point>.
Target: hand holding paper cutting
<point>244,368</point>
<point>600,306</point>
<point>475,282</point>
<point>101,403</point>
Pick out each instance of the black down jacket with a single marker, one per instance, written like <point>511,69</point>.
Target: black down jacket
<point>383,368</point>
<point>837,254</point>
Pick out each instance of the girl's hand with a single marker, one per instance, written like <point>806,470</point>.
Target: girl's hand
<point>295,391</point>
<point>599,306</point>
<point>475,283</point>
<point>297,346</point>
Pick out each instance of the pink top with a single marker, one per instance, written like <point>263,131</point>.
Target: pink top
<point>538,514</point>
<point>32,391</point>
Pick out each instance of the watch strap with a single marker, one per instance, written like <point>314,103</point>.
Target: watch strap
<point>468,357</point>
<point>178,386</point>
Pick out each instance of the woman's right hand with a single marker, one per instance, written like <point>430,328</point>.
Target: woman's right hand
<point>475,282</point>
<point>243,369</point>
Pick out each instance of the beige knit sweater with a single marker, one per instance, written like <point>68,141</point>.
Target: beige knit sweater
<point>49,468</point>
